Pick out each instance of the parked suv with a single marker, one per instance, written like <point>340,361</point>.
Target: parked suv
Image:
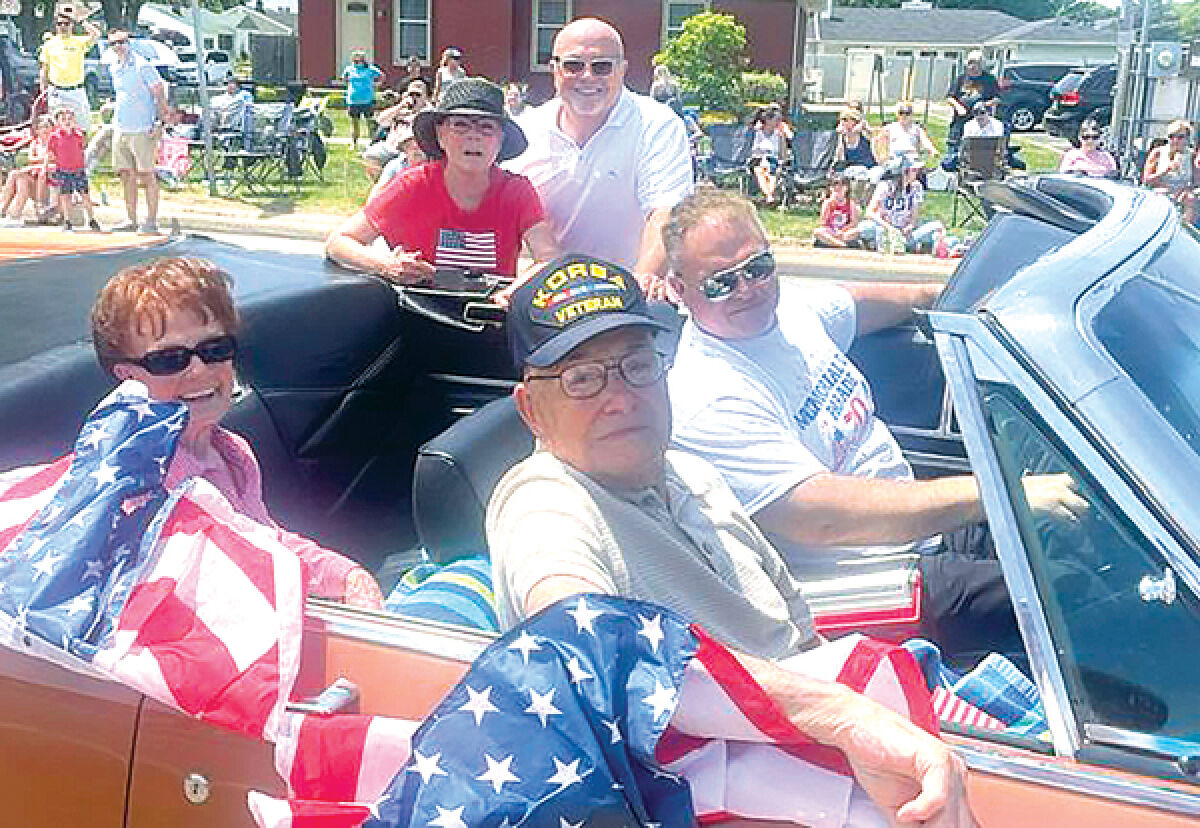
<point>1025,92</point>
<point>1080,95</point>
<point>217,66</point>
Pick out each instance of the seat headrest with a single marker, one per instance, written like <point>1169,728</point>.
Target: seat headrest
<point>455,474</point>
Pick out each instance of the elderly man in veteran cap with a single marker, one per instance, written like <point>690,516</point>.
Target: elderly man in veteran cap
<point>602,506</point>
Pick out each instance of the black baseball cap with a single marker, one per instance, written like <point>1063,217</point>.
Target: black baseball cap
<point>571,300</point>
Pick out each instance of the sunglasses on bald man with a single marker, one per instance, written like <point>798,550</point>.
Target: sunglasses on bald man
<point>573,67</point>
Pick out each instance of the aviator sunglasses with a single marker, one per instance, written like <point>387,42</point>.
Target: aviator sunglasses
<point>754,270</point>
<point>573,67</point>
<point>167,361</point>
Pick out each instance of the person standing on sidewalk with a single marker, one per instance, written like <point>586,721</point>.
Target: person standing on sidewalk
<point>360,77</point>
<point>141,110</point>
<point>62,65</point>
<point>68,167</point>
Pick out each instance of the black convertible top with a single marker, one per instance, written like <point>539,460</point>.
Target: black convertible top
<point>44,302</point>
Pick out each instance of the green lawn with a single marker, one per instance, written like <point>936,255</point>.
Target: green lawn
<point>346,186</point>
<point>796,224</point>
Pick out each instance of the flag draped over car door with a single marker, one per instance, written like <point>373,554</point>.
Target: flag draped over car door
<point>599,710</point>
<point>172,593</point>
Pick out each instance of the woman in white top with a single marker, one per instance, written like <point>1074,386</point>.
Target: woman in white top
<point>770,136</point>
<point>903,137</point>
<point>449,71</point>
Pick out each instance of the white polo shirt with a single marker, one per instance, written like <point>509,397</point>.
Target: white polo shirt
<point>597,196</point>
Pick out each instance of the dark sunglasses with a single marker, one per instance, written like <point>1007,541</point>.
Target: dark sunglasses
<point>573,67</point>
<point>120,41</point>
<point>1091,136</point>
<point>167,361</point>
<point>721,285</point>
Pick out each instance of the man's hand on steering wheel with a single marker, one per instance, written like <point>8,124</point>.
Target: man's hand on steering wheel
<point>1055,496</point>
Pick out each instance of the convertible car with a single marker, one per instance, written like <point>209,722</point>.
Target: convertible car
<point>1066,341</point>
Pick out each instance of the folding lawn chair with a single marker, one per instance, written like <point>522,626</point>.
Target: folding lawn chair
<point>808,169</point>
<point>726,166</point>
<point>980,159</point>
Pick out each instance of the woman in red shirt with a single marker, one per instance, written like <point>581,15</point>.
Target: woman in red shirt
<point>456,210</point>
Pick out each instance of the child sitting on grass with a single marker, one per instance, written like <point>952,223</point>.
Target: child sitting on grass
<point>67,167</point>
<point>839,216</point>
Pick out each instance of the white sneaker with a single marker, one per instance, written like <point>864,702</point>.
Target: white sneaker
<point>6,221</point>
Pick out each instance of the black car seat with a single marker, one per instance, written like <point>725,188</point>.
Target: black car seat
<point>455,474</point>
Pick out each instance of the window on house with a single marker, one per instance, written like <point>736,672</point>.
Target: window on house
<point>549,16</point>
<point>225,42</point>
<point>675,12</point>
<point>950,55</point>
<point>412,31</point>
<point>904,53</point>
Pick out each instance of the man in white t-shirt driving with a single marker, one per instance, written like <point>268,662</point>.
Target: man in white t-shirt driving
<point>769,397</point>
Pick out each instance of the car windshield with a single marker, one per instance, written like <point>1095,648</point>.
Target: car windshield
<point>1151,327</point>
<point>1069,83</point>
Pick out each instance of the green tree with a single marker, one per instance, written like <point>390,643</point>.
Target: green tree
<point>707,58</point>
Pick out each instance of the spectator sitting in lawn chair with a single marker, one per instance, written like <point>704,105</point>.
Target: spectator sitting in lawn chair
<point>839,225</point>
<point>893,223</point>
<point>770,137</point>
<point>28,182</point>
<point>395,124</point>
<point>1171,169</point>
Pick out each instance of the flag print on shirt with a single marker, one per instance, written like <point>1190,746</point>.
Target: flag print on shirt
<point>470,251</point>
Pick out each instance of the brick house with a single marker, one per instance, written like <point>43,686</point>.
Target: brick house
<point>511,39</point>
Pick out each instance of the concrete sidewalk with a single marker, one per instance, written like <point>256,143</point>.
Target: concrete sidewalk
<point>196,214</point>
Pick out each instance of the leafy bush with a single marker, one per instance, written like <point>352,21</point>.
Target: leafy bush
<point>764,87</point>
<point>707,58</point>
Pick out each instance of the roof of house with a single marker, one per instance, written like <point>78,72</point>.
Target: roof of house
<point>245,17</point>
<point>1055,30</point>
<point>872,26</point>
<point>283,16</point>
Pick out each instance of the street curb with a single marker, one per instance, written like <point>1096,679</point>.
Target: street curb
<point>794,259</point>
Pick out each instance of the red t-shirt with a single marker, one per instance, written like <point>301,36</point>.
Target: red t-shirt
<point>837,216</point>
<point>67,146</point>
<point>414,212</point>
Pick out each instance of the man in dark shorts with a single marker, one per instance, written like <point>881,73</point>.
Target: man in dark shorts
<point>361,78</point>
<point>65,155</point>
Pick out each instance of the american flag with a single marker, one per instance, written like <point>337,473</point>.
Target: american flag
<point>603,711</point>
<point>598,711</point>
<point>461,248</point>
<point>171,593</point>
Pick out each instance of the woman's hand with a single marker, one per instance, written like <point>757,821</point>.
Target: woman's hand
<point>362,591</point>
<point>405,268</point>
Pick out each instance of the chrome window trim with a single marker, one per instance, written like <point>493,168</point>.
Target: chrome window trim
<point>1079,780</point>
<point>1031,616</point>
<point>968,340</point>
<point>1165,747</point>
<point>428,637</point>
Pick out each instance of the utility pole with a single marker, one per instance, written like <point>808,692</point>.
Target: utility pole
<point>202,87</point>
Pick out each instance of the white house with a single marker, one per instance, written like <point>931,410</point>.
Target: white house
<point>919,49</point>
<point>230,30</point>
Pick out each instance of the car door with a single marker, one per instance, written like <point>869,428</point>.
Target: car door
<point>1103,613</point>
<point>66,737</point>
